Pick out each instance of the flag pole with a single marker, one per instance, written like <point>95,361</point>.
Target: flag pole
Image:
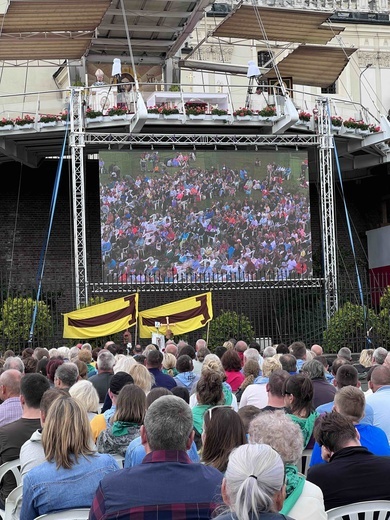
<point>207,334</point>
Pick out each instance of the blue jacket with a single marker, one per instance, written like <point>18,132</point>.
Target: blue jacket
<point>47,489</point>
<point>371,437</point>
<point>161,379</point>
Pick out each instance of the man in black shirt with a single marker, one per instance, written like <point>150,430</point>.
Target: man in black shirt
<point>353,474</point>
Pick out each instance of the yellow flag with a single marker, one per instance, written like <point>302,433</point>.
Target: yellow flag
<point>180,317</point>
<point>102,319</point>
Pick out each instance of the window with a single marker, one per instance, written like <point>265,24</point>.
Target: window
<point>329,90</point>
<point>263,57</point>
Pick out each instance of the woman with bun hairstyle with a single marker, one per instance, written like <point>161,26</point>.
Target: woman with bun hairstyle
<point>209,393</point>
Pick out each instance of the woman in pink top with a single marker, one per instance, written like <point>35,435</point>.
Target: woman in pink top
<point>231,363</point>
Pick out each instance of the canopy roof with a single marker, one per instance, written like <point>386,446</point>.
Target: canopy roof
<point>69,29</point>
<point>38,29</point>
<point>287,25</point>
<point>313,65</point>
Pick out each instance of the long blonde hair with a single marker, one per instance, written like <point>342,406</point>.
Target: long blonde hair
<point>67,433</point>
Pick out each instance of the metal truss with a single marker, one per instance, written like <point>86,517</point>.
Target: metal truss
<point>327,208</point>
<point>77,145</point>
<point>201,140</point>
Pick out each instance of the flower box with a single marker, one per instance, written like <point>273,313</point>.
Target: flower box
<point>28,126</point>
<point>268,118</point>
<point>219,118</point>
<point>198,116</point>
<point>117,117</point>
<point>7,127</point>
<point>244,118</point>
<point>50,123</point>
<point>360,131</point>
<point>91,120</point>
<point>151,115</point>
<point>171,116</point>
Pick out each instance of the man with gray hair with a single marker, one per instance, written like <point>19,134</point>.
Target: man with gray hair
<point>253,354</point>
<point>269,352</point>
<point>181,489</point>
<point>379,355</point>
<point>323,392</point>
<point>345,353</point>
<point>66,376</point>
<point>105,365</point>
<point>14,363</point>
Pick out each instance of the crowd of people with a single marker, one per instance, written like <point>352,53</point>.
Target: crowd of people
<point>173,220</point>
<point>218,435</point>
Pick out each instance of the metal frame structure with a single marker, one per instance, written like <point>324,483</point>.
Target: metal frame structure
<point>77,144</point>
<point>79,138</point>
<point>327,207</point>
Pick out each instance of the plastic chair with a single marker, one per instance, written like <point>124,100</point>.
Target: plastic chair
<point>120,460</point>
<point>12,502</point>
<point>67,514</point>
<point>12,465</point>
<point>351,511</point>
<point>303,464</point>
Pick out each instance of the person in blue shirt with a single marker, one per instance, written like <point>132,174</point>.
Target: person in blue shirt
<point>350,402</point>
<point>135,452</point>
<point>347,375</point>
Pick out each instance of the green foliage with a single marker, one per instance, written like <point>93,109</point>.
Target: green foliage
<point>348,329</point>
<point>229,325</point>
<point>385,299</point>
<point>94,300</point>
<point>17,317</point>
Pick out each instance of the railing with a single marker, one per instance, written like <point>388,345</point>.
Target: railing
<point>228,99</point>
<point>281,309</point>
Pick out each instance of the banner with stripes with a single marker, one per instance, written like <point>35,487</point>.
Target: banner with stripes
<point>180,317</point>
<point>102,319</point>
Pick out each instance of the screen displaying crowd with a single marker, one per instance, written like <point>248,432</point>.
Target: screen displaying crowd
<point>196,215</point>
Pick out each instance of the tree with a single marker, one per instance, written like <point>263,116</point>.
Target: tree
<point>348,327</point>
<point>16,321</point>
<point>227,325</point>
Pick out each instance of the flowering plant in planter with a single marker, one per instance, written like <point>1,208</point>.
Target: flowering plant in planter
<point>362,125</point>
<point>25,120</point>
<point>374,129</point>
<point>116,111</point>
<point>219,112</point>
<point>167,111</point>
<point>304,116</point>
<point>48,118</point>
<point>6,121</point>
<point>267,111</point>
<point>154,110</point>
<point>336,120</point>
<point>64,115</point>
<point>195,110</point>
<point>93,114</point>
<point>350,123</point>
<point>242,112</point>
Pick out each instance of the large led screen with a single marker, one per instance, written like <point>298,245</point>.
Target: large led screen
<point>196,215</point>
